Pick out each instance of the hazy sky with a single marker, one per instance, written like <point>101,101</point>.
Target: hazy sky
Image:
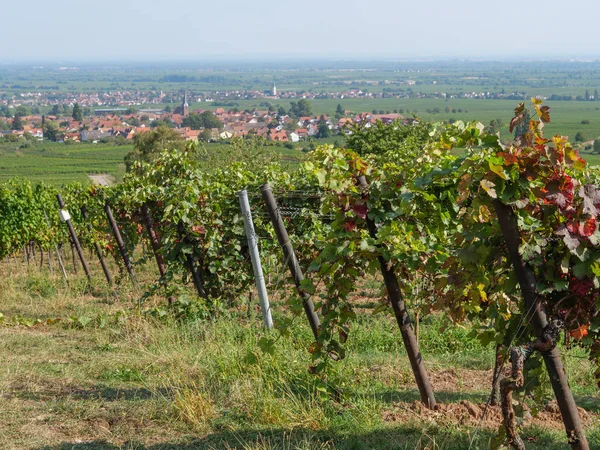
<point>147,30</point>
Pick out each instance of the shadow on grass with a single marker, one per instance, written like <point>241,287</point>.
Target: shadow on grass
<point>98,392</point>
<point>588,402</point>
<point>409,396</point>
<point>401,437</point>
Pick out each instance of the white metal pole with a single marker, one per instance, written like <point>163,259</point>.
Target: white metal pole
<point>255,257</point>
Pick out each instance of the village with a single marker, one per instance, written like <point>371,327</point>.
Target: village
<point>121,125</point>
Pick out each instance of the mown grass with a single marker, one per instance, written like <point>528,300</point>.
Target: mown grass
<point>131,381</point>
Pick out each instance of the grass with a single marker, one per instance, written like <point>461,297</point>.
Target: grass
<point>138,383</point>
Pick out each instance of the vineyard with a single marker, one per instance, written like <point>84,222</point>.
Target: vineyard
<point>451,233</point>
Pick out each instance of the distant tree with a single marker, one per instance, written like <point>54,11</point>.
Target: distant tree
<point>596,95</point>
<point>23,111</point>
<point>131,110</point>
<point>120,140</point>
<point>56,110</point>
<point>160,123</point>
<point>194,121</point>
<point>168,108</point>
<point>17,123</point>
<point>77,113</point>
<point>596,145</point>
<point>149,144</point>
<point>271,108</point>
<point>204,120</point>
<point>281,111</point>
<point>587,95</point>
<point>50,130</point>
<point>272,124</point>
<point>205,136</point>
<point>579,137</point>
<point>300,109</point>
<point>134,122</point>
<point>210,120</point>
<point>4,125</point>
<point>323,130</point>
<point>585,122</point>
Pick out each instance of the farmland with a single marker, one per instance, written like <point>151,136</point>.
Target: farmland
<point>57,163</point>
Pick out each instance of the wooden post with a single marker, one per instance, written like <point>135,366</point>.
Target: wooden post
<point>197,278</point>
<point>97,248</point>
<point>496,375</point>
<point>120,242</point>
<point>155,243</point>
<point>66,217</point>
<point>73,259</point>
<point>290,257</point>
<point>539,322</point>
<point>402,318</point>
<point>60,261</point>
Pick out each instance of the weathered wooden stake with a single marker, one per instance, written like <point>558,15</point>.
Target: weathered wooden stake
<point>120,242</point>
<point>539,322</point>
<point>496,375</point>
<point>402,318</point>
<point>99,252</point>
<point>49,259</point>
<point>74,239</point>
<point>60,261</point>
<point>73,259</point>
<point>290,257</point>
<point>155,243</point>
<point>197,278</point>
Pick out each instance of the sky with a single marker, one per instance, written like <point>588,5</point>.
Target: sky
<point>193,30</point>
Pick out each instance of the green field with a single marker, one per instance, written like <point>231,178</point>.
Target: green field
<point>57,163</point>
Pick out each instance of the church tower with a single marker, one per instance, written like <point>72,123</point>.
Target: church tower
<point>274,89</point>
<point>184,106</point>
